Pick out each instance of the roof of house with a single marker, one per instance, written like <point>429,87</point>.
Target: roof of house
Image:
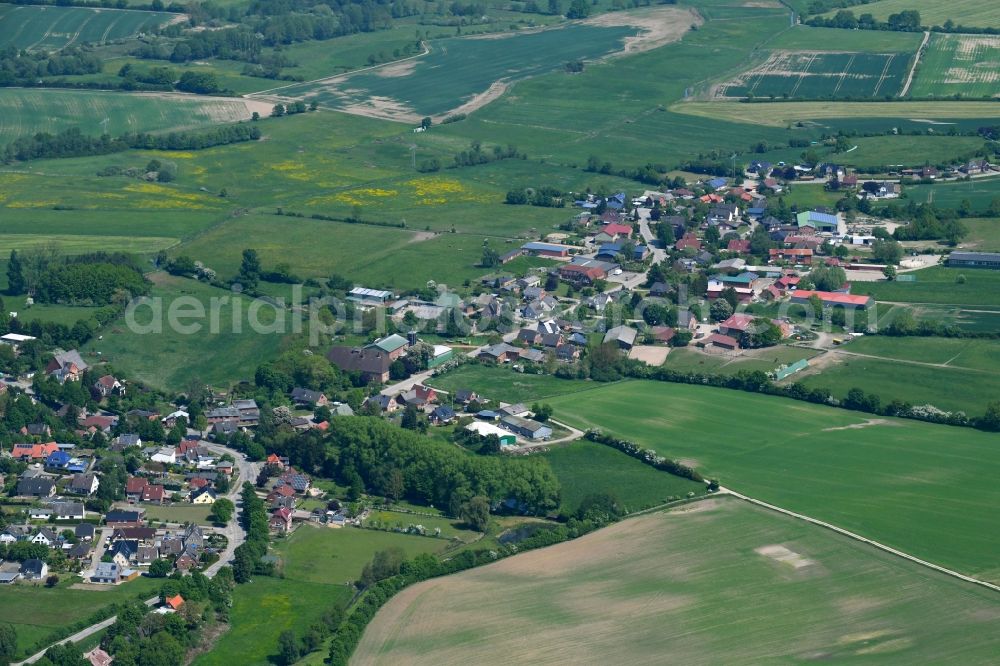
<point>70,358</point>
<point>33,566</point>
<point>98,657</point>
<point>831,297</point>
<point>34,450</point>
<point>624,334</point>
<point>722,340</point>
<point>369,360</point>
<point>737,322</point>
<point>36,486</point>
<point>617,229</point>
<point>300,394</point>
<point>175,601</point>
<point>119,516</point>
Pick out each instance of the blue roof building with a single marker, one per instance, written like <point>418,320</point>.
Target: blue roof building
<point>58,460</point>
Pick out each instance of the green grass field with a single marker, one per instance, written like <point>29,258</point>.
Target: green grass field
<point>980,192</point>
<point>939,285</point>
<point>807,38</point>
<point>317,564</point>
<point>326,556</point>
<point>30,608</point>
<point>585,468</point>
<point>957,352</point>
<point>984,234</point>
<point>450,528</point>
<point>456,70</point>
<point>262,610</point>
<point>951,388</point>
<point>689,360</point>
<point>935,12</point>
<point>958,65</point>
<point>180,358</point>
<point>702,585</point>
<point>180,513</point>
<point>26,112</point>
<point>915,486</point>
<point>52,28</point>
<point>506,385</point>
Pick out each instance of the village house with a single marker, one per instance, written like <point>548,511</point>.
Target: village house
<point>84,484</point>
<point>371,363</point>
<point>66,366</point>
<point>107,573</point>
<point>581,275</point>
<point>120,518</point>
<point>281,520</point>
<point>308,398</point>
<point>500,353</point>
<point>36,487</point>
<point>34,569</point>
<point>623,336</point>
<point>33,452</point>
<point>108,385</point>
<point>802,256</point>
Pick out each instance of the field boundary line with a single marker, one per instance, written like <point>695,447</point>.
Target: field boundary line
<point>858,537</point>
<point>916,61</point>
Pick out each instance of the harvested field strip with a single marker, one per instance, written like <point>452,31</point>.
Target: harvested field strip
<point>780,114</point>
<point>665,583</point>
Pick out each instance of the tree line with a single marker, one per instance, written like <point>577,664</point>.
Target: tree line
<point>19,68</point>
<point>73,143</point>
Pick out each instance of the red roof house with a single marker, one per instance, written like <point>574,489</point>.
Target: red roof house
<point>34,451</point>
<point>739,245</point>
<point>615,229</point>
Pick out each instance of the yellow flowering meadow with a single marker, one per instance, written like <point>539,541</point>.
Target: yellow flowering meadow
<point>435,191</point>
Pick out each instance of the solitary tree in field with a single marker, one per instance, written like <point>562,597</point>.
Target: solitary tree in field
<point>426,122</point>
<point>249,270</point>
